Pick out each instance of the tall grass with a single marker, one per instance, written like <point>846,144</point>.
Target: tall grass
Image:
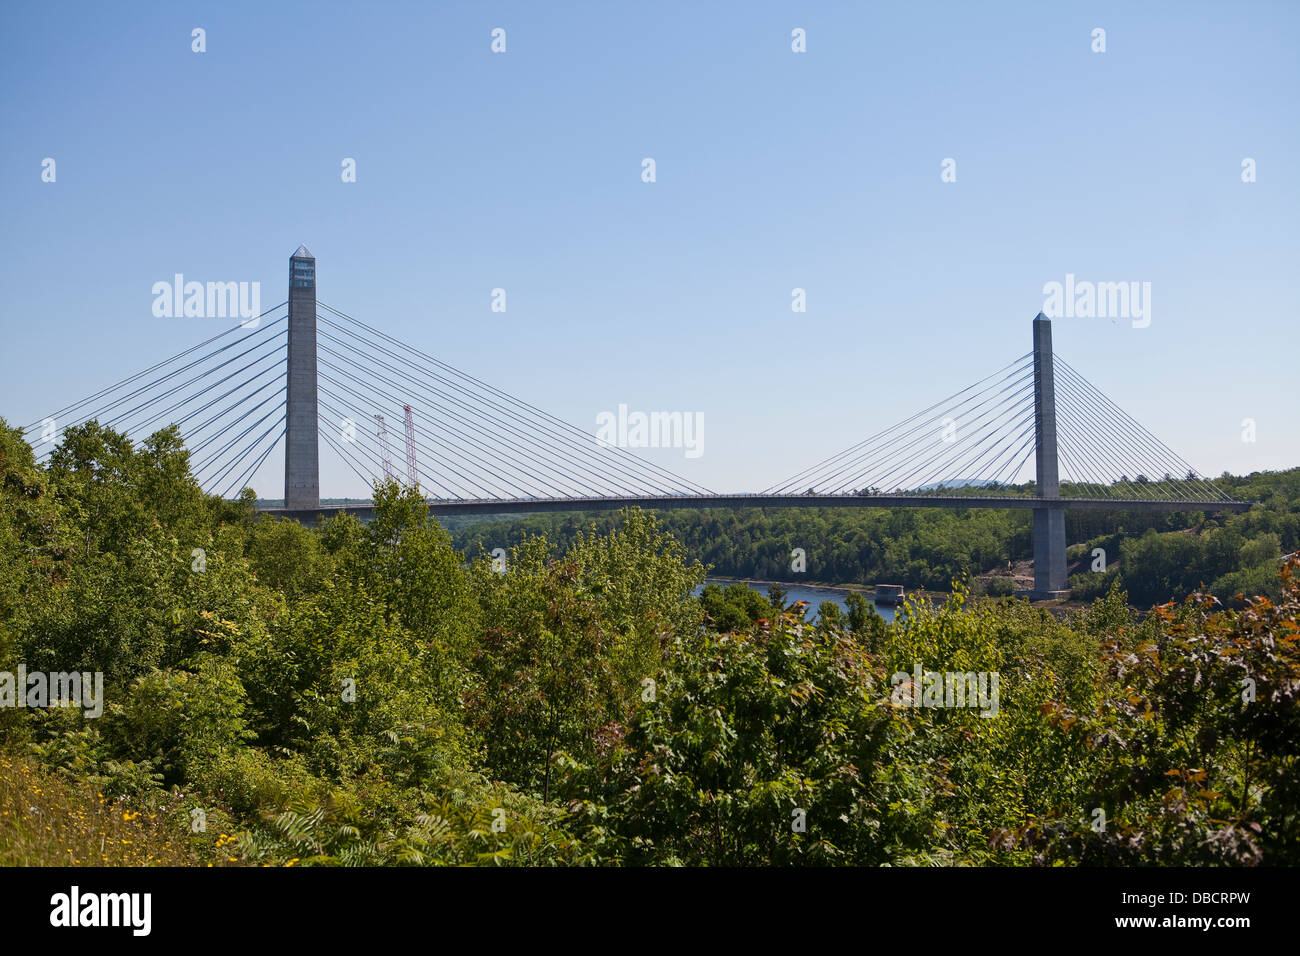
<point>49,820</point>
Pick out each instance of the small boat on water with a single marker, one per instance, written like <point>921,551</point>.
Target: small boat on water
<point>890,594</point>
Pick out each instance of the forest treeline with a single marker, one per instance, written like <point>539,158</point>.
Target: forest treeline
<point>1155,557</point>
<point>367,694</point>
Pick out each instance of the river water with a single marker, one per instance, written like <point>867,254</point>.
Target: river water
<point>813,595</point>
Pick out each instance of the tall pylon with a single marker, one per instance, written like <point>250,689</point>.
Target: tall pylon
<point>1049,520</point>
<point>301,424</point>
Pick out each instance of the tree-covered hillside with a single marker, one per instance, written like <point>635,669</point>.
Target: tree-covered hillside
<point>365,694</point>
<point>1154,556</point>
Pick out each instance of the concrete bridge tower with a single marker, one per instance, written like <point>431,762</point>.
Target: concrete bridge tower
<point>301,438</point>
<point>1049,520</point>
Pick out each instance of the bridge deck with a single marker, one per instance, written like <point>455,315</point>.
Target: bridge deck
<point>536,505</point>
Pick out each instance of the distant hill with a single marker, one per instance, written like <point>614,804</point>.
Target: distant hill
<point>279,502</point>
<point>958,483</point>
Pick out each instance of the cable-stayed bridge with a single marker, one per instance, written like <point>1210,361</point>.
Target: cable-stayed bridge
<point>306,376</point>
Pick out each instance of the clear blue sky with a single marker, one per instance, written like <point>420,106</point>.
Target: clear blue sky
<point>775,170</point>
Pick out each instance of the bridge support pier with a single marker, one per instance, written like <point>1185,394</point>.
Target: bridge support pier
<point>1049,555</point>
<point>1050,581</point>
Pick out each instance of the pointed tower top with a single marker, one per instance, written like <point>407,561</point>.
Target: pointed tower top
<point>1041,318</point>
<point>302,253</point>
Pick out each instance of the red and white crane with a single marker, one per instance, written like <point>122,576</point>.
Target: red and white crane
<point>412,468</point>
<point>383,446</point>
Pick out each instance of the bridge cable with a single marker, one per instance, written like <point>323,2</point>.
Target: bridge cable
<point>157,382</point>
<point>587,463</point>
<point>375,476</point>
<point>906,451</point>
<point>897,443</point>
<point>280,422</point>
<point>189,399</point>
<point>471,483</point>
<point>215,456</point>
<point>584,465</point>
<point>257,464</point>
<point>1212,491</point>
<point>153,368</point>
<point>799,479</point>
<point>198,447</point>
<point>470,438</point>
<point>555,423</point>
<point>454,451</point>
